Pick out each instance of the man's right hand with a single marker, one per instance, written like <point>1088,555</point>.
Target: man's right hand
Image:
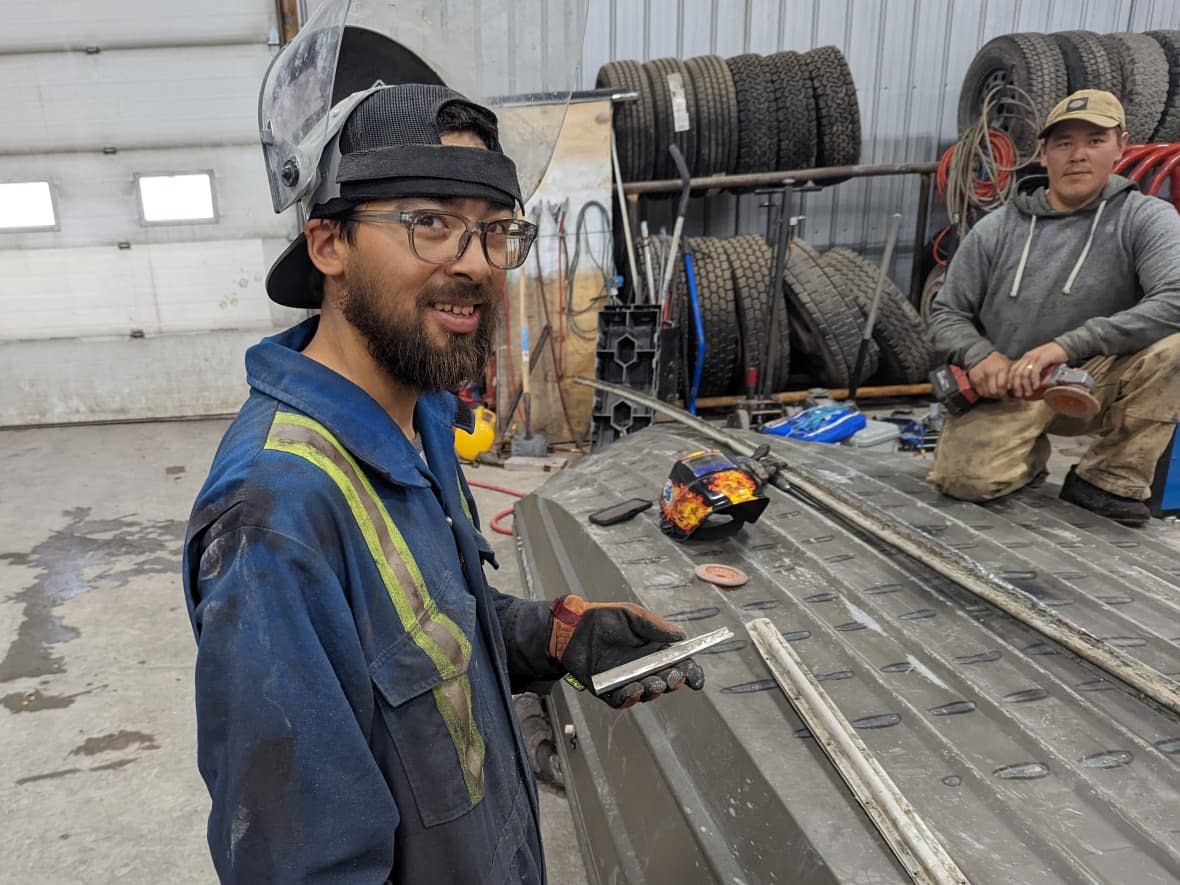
<point>989,376</point>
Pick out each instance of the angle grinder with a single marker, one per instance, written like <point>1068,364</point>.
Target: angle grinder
<point>1065,390</point>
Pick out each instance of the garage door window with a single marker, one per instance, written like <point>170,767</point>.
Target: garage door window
<point>182,198</point>
<point>27,205</point>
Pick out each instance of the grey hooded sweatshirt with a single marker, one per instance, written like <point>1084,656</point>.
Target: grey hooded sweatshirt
<point>1103,280</point>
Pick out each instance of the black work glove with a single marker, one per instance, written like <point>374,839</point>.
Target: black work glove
<point>587,638</point>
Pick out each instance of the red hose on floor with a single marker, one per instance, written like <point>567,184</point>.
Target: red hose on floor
<point>503,514</point>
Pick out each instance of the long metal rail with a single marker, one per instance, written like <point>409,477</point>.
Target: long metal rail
<point>912,842</point>
<point>777,179</point>
<point>948,562</point>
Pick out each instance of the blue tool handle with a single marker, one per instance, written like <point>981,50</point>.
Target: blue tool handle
<point>695,302</point>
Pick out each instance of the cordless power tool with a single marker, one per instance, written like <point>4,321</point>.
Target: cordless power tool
<point>1065,390</point>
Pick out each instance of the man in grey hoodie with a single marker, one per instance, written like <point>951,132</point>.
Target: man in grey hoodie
<point>1078,268</point>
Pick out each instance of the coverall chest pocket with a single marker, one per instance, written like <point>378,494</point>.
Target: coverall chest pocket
<point>425,697</point>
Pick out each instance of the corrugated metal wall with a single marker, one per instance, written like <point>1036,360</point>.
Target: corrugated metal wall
<point>908,58</point>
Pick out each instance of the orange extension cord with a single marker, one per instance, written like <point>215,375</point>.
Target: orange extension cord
<point>503,514</point>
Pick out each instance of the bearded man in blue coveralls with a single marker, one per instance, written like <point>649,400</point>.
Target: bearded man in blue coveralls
<point>355,671</point>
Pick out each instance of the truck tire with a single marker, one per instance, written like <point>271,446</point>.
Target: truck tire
<point>906,353</point>
<point>757,129</point>
<point>1169,125</point>
<point>1145,81</point>
<point>1031,62</point>
<point>1087,63</point>
<point>750,259</point>
<point>658,72</point>
<point>837,114</point>
<point>633,120</point>
<point>795,109</point>
<point>825,330</point>
<point>718,318</point>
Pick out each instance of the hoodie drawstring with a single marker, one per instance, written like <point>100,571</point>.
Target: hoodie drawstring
<point>1077,268</point>
<point>1032,225</point>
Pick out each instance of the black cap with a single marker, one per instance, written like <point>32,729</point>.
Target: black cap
<point>390,147</point>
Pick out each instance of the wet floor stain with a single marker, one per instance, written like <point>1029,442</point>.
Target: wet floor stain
<point>119,740</point>
<point>125,546</point>
<point>47,776</point>
<point>34,701</point>
<point>66,772</point>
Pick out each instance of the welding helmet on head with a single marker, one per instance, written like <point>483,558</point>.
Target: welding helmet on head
<point>708,496</point>
<point>350,50</point>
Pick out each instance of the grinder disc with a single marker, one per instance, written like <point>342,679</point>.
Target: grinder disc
<point>1072,401</point>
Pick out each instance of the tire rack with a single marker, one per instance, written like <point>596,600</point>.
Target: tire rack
<point>789,182</point>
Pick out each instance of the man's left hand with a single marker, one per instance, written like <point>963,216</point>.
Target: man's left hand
<point>589,637</point>
<point>1024,378</point>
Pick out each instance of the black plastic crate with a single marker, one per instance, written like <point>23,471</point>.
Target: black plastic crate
<point>615,417</point>
<point>627,340</point>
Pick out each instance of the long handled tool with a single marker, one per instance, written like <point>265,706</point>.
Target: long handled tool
<point>681,210</point>
<point>636,282</point>
<point>886,260</point>
<point>947,561</point>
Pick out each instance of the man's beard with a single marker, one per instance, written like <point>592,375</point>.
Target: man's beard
<point>402,347</point>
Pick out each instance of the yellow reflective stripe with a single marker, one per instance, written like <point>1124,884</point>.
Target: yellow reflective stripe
<point>413,603</point>
<point>433,632</point>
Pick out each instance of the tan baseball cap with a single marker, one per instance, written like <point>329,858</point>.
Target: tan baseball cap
<point>1092,105</point>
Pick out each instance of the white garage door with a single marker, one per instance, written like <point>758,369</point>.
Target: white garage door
<point>135,220</point>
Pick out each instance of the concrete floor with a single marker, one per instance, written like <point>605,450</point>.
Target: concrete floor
<point>99,780</point>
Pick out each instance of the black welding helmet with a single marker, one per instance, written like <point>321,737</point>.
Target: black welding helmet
<point>708,496</point>
<point>351,49</point>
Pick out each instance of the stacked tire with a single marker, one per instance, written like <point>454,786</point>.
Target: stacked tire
<point>1143,70</point>
<point>747,114</point>
<point>825,301</point>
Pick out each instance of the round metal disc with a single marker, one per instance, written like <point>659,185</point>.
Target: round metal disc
<point>721,575</point>
<point>1072,401</point>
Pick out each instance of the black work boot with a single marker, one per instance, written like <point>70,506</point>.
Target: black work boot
<point>1127,511</point>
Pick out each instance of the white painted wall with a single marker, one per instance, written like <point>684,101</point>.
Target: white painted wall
<point>107,318</point>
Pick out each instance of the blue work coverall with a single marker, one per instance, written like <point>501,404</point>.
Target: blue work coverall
<point>354,670</point>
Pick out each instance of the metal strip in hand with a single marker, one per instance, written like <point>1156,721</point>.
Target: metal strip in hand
<point>653,663</point>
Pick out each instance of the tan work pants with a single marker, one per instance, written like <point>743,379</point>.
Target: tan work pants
<point>1002,445</point>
